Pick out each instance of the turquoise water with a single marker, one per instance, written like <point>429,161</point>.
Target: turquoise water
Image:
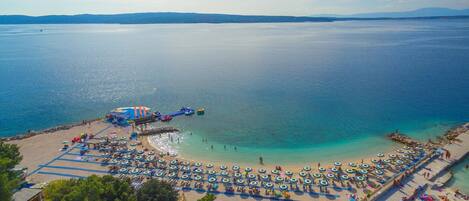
<point>287,92</point>
<point>461,176</point>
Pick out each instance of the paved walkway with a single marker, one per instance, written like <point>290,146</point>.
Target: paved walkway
<point>435,167</point>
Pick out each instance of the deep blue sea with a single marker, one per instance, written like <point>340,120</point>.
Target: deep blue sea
<point>287,91</point>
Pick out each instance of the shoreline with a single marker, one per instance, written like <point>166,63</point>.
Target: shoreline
<point>48,144</point>
<point>32,133</point>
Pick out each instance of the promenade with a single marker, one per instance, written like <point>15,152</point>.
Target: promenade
<point>435,168</point>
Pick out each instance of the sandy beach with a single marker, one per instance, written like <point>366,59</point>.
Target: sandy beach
<point>45,160</point>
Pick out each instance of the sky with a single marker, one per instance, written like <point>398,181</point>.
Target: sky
<point>248,7</point>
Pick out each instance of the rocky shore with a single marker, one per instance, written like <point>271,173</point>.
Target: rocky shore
<point>48,130</point>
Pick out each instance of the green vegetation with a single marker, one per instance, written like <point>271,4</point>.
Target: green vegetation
<point>9,180</point>
<point>208,197</point>
<point>106,188</point>
<point>155,190</point>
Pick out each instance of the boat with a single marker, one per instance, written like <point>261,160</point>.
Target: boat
<point>189,112</point>
<point>166,118</point>
<point>200,111</point>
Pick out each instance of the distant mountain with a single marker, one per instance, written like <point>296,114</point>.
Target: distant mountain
<point>153,18</point>
<point>172,17</point>
<point>423,12</point>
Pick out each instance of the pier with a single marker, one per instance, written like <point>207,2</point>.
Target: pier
<point>434,167</point>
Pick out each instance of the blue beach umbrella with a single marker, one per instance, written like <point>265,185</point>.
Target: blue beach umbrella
<point>283,187</point>
<point>261,170</point>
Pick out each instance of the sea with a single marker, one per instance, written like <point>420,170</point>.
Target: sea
<point>287,92</point>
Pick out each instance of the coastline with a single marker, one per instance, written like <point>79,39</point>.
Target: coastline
<point>49,146</point>
<point>33,133</point>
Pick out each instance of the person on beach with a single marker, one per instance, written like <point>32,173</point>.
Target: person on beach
<point>236,149</point>
<point>261,160</point>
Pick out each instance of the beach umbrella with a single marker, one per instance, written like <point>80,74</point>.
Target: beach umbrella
<point>283,187</point>
<point>399,162</point>
<point>262,170</point>
<point>323,182</point>
<point>335,170</point>
<point>173,162</point>
<point>173,168</point>
<point>379,172</point>
<point>275,171</point>
<point>352,164</point>
<point>307,168</point>
<point>186,163</point>
<point>240,181</point>
<point>224,173</point>
<point>386,161</point>
<point>268,185</point>
<point>374,161</point>
<point>360,178</point>
<point>186,169</point>
<point>379,166</point>
<point>278,179</point>
<point>307,181</point>
<point>293,180</point>
<point>223,167</point>
<point>161,161</point>
<point>185,177</point>
<point>235,168</point>
<point>209,165</point>
<point>344,177</point>
<point>264,177</point>
<point>321,169</point>
<point>251,176</point>
<point>253,183</point>
<point>317,175</point>
<point>350,171</point>
<point>212,180</point>
<point>237,175</point>
<point>159,174</point>
<point>392,155</point>
<point>211,172</point>
<point>198,171</point>
<point>197,164</point>
<point>362,171</point>
<point>303,174</point>
<point>288,173</point>
<point>123,170</point>
<point>225,180</point>
<point>380,155</point>
<point>337,164</point>
<point>172,175</point>
<point>406,147</point>
<point>197,178</point>
<point>365,166</point>
<point>330,176</point>
<point>248,169</point>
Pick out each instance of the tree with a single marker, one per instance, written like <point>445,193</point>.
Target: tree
<point>9,180</point>
<point>208,197</point>
<point>155,190</point>
<point>106,188</point>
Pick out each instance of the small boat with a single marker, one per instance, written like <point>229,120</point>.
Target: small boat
<point>200,111</point>
<point>166,118</point>
<point>188,111</point>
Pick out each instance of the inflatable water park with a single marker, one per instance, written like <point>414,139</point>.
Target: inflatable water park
<point>125,116</point>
